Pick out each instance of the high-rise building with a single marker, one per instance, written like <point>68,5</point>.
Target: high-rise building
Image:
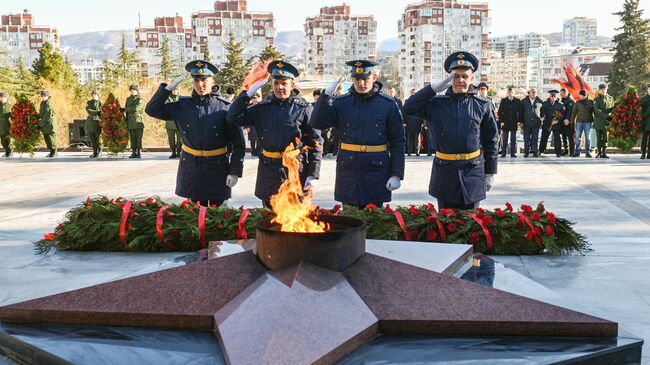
<point>431,30</point>
<point>19,36</point>
<point>580,32</point>
<point>517,44</point>
<point>149,40</point>
<point>212,29</point>
<point>506,71</point>
<point>88,69</point>
<point>335,36</point>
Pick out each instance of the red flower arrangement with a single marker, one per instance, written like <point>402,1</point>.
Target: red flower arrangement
<point>114,127</point>
<point>24,126</point>
<point>627,119</point>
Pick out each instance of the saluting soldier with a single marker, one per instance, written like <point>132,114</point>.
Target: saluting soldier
<point>206,171</point>
<point>370,162</point>
<point>173,136</point>
<point>47,122</point>
<point>5,123</point>
<point>134,109</point>
<point>91,126</point>
<point>465,134</point>
<point>279,120</point>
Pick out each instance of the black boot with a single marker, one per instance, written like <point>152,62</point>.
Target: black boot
<point>173,155</point>
<point>137,154</point>
<point>642,156</point>
<point>52,153</point>
<point>133,153</point>
<point>94,153</point>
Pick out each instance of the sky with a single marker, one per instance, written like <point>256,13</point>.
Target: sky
<point>508,16</point>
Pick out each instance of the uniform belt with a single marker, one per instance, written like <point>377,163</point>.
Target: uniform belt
<point>362,147</point>
<point>458,156</point>
<point>278,155</point>
<point>204,153</point>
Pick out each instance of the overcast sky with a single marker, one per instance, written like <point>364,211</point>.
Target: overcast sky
<point>508,16</point>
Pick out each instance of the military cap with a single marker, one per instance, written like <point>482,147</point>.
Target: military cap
<point>602,86</point>
<point>553,92</point>
<point>200,69</point>
<point>361,69</point>
<point>45,93</point>
<point>282,70</point>
<point>134,87</point>
<point>461,60</point>
<point>4,95</point>
<point>483,84</point>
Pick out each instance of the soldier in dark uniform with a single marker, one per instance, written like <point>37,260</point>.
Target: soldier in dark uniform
<point>465,135</point>
<point>370,162</point>
<point>173,136</point>
<point>47,122</point>
<point>205,172</point>
<point>134,108</point>
<point>553,116</point>
<point>91,126</point>
<point>509,118</point>
<point>568,129</point>
<point>280,120</point>
<point>252,132</point>
<point>5,123</point>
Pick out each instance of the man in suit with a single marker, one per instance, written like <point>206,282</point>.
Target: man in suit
<point>530,114</point>
<point>509,119</point>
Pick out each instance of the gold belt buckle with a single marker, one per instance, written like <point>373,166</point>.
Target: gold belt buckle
<point>459,156</point>
<point>363,148</point>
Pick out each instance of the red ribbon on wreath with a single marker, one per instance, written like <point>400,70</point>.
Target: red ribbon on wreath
<point>202,212</point>
<point>159,226</point>
<point>125,216</point>
<point>488,236</point>
<point>400,221</point>
<point>241,229</point>
<point>443,235</point>
<point>538,242</point>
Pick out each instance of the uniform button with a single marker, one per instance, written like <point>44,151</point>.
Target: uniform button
<point>379,134</point>
<point>188,125</point>
<point>347,124</point>
<point>376,125</point>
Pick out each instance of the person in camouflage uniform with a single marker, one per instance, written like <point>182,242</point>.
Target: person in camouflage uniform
<point>134,109</point>
<point>91,126</point>
<point>173,136</point>
<point>5,123</point>
<point>47,122</point>
<point>603,107</point>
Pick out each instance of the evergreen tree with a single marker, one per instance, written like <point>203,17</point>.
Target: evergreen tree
<point>7,74</point>
<point>206,55</point>
<point>49,64</point>
<point>270,53</point>
<point>631,65</point>
<point>234,70</point>
<point>126,60</point>
<point>27,83</point>
<point>167,67</point>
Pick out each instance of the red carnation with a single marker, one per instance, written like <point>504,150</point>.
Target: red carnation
<point>473,238</point>
<point>509,206</point>
<point>551,217</point>
<point>540,207</point>
<point>336,208</point>
<point>549,230</point>
<point>451,227</point>
<point>535,217</point>
<point>226,214</point>
<point>527,209</point>
<point>431,235</point>
<point>487,220</point>
<point>371,206</point>
<point>448,212</point>
<point>500,212</point>
<point>530,235</point>
<point>49,236</point>
<point>414,210</point>
<point>388,209</point>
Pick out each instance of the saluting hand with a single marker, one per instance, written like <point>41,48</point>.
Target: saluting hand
<point>442,85</point>
<point>334,85</point>
<point>174,84</point>
<point>256,86</point>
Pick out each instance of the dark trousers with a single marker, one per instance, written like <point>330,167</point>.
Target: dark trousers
<point>6,142</point>
<point>645,140</point>
<point>601,140</point>
<point>93,137</point>
<point>50,141</point>
<point>412,143</point>
<point>443,204</point>
<point>136,138</point>
<point>513,142</point>
<point>530,139</point>
<point>174,140</point>
<point>569,138</point>
<point>544,140</point>
<point>557,142</point>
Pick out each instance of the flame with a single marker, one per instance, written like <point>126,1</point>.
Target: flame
<point>573,81</point>
<point>291,205</point>
<point>257,73</point>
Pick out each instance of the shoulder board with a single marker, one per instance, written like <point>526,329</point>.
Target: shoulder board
<point>385,96</point>
<point>443,96</point>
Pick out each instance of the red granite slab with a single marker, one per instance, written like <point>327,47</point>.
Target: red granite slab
<point>182,297</point>
<point>411,300</point>
<point>301,315</point>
